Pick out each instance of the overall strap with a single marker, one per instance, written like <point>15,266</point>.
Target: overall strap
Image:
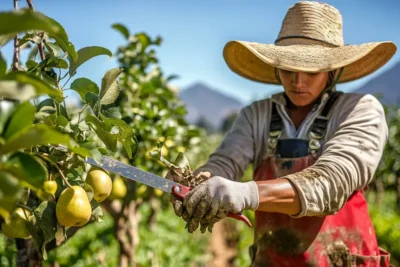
<point>320,124</point>
<point>275,129</point>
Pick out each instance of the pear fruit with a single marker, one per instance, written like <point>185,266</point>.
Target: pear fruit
<point>50,187</point>
<point>101,183</point>
<point>73,207</point>
<point>16,227</point>
<point>118,189</point>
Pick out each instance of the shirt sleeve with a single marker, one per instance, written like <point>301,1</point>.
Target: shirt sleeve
<point>236,150</point>
<point>349,160</point>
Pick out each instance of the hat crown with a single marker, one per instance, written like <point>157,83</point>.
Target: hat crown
<point>311,23</point>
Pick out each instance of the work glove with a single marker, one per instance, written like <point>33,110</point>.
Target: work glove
<point>176,176</point>
<point>213,199</point>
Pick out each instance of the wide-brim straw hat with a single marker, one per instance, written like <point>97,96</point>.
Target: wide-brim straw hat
<point>310,40</point>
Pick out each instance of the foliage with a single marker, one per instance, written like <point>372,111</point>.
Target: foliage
<point>387,223</point>
<point>40,139</point>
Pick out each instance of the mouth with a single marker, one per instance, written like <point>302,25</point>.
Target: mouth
<point>299,93</point>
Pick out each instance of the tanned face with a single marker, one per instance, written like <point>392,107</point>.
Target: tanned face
<point>303,88</point>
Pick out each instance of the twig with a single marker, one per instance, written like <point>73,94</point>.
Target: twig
<point>69,78</point>
<point>24,207</point>
<point>80,112</point>
<point>40,45</point>
<point>57,167</point>
<point>16,45</point>
<point>29,2</point>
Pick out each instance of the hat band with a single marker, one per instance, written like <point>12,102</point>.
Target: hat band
<point>283,38</point>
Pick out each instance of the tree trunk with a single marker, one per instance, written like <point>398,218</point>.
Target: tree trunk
<point>154,203</point>
<point>27,256</point>
<point>126,230</point>
<point>224,242</point>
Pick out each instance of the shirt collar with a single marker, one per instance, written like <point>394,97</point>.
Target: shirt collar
<point>279,98</point>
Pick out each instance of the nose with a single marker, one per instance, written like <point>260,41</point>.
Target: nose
<point>299,79</point>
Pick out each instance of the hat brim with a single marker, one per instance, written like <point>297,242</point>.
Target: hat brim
<point>257,61</point>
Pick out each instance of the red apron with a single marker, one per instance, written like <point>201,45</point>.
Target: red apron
<point>346,238</point>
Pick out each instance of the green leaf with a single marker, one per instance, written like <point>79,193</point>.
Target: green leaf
<point>36,135</point>
<point>4,39</point>
<point>89,191</point>
<point>21,118</point>
<point>6,109</point>
<point>102,130</point>
<point>85,54</point>
<point>83,86</point>
<point>3,65</point>
<point>27,169</point>
<point>23,86</point>
<point>122,29</point>
<point>97,212</point>
<point>54,49</point>
<point>109,86</point>
<point>113,112</point>
<point>10,193</point>
<point>81,151</point>
<point>62,121</point>
<point>43,226</point>
<point>26,20</point>
<point>144,39</point>
<point>91,99</point>
<point>124,133</point>
<point>31,65</point>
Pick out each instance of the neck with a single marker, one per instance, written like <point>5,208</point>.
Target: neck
<point>298,113</point>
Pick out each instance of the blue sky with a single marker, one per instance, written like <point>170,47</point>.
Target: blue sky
<point>195,32</point>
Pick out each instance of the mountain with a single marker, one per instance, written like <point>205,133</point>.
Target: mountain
<point>207,104</point>
<point>387,85</point>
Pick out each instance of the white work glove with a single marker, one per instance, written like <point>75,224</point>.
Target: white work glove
<point>213,199</point>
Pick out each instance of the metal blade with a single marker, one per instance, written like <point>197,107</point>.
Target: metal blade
<point>134,173</point>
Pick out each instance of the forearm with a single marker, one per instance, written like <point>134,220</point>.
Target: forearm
<point>278,195</point>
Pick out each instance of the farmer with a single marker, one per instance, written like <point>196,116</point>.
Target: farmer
<point>313,148</point>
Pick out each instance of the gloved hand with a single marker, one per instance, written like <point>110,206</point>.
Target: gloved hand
<point>176,176</point>
<point>213,199</point>
<point>176,202</point>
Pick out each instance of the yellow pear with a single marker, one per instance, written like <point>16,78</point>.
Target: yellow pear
<point>101,183</point>
<point>118,189</point>
<point>17,225</point>
<point>73,207</point>
<point>50,187</point>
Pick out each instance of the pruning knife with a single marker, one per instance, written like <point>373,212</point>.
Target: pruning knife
<point>151,180</point>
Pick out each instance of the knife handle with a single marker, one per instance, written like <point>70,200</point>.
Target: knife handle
<point>181,191</point>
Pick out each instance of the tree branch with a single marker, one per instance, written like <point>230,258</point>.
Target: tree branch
<point>40,45</point>
<point>16,45</point>
<point>29,2</point>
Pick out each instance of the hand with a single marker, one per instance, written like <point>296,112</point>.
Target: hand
<point>213,199</point>
<point>177,204</point>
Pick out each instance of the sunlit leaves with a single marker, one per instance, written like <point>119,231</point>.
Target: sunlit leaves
<point>87,53</point>
<point>103,132</point>
<point>83,85</point>
<point>43,225</point>
<point>36,135</point>
<point>21,118</point>
<point>122,29</point>
<point>23,86</point>
<point>27,169</point>
<point>3,66</point>
<point>109,86</point>
<point>10,193</point>
<point>26,20</point>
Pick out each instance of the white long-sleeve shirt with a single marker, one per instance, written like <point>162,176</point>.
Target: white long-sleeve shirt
<point>351,149</point>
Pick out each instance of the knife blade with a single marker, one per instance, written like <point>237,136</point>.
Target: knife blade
<point>150,179</point>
